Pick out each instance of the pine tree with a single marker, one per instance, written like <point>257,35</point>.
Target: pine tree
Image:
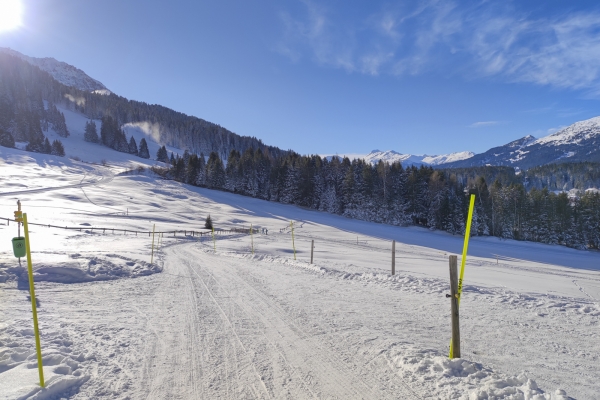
<point>144,152</point>
<point>161,155</point>
<point>57,148</point>
<point>107,131</point>
<point>91,134</point>
<point>208,223</point>
<point>47,149</point>
<point>215,172</point>
<point>6,139</point>
<point>133,149</point>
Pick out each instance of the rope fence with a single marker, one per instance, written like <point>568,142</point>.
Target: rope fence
<point>128,231</point>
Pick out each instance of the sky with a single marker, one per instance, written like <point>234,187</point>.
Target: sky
<point>327,77</point>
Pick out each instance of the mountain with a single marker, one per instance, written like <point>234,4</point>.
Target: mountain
<point>64,73</point>
<point>30,87</point>
<point>409,159</point>
<point>579,142</point>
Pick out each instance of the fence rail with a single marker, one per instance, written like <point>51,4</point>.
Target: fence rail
<point>127,231</point>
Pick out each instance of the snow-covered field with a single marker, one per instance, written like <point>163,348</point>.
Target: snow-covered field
<point>229,324</point>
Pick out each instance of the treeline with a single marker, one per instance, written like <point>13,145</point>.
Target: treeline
<point>391,194</point>
<point>564,176</point>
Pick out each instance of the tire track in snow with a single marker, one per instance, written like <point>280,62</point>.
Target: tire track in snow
<point>323,369</point>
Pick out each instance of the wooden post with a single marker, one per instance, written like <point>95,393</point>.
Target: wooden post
<point>312,250</point>
<point>252,238</point>
<point>293,244</point>
<point>152,257</point>
<point>455,344</point>
<point>393,257</point>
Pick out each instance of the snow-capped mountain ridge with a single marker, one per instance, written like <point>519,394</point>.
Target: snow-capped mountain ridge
<point>411,159</point>
<point>575,133</point>
<point>61,71</point>
<point>576,143</point>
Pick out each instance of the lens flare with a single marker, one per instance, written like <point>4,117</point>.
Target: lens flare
<point>10,14</point>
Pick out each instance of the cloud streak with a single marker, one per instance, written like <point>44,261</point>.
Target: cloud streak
<point>483,124</point>
<point>484,40</point>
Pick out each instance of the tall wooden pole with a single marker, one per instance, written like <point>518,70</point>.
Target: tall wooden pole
<point>455,344</point>
<point>312,250</point>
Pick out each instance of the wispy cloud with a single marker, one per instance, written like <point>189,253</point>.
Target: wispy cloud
<point>487,39</point>
<point>482,124</point>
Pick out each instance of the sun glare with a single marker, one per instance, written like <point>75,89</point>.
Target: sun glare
<point>10,14</point>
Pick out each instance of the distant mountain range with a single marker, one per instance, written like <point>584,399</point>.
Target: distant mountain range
<point>578,142</point>
<point>575,143</point>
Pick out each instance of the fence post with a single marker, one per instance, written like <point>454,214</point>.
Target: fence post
<point>152,257</point>
<point>455,345</point>
<point>293,244</point>
<point>252,238</point>
<point>312,249</point>
<point>213,235</point>
<point>393,257</point>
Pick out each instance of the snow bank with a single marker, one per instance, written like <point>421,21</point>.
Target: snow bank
<point>463,379</point>
<point>19,378</point>
<point>83,269</point>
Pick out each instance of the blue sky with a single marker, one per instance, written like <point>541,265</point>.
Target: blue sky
<point>335,76</point>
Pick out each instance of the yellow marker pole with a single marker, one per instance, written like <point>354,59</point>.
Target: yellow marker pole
<point>214,243</point>
<point>33,306</point>
<point>293,245</point>
<point>252,238</point>
<point>464,255</point>
<point>152,257</point>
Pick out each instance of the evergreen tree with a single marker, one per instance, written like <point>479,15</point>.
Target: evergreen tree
<point>133,146</point>
<point>6,139</point>
<point>161,155</point>
<point>91,134</point>
<point>208,223</point>
<point>47,149</point>
<point>215,172</point>
<point>108,130</point>
<point>144,150</point>
<point>57,148</point>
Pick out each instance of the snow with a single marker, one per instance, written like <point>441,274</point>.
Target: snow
<point>392,156</point>
<point>436,160</point>
<point>575,133</point>
<point>232,324</point>
<point>62,72</point>
<point>76,147</point>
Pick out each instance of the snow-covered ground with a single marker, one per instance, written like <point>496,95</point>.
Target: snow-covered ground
<point>230,324</point>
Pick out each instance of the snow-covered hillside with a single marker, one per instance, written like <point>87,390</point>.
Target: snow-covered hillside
<point>61,71</point>
<point>573,134</point>
<point>76,147</point>
<point>232,324</point>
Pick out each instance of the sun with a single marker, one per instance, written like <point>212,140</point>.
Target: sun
<point>10,14</point>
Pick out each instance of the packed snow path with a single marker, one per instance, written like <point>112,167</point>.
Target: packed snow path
<point>236,338</point>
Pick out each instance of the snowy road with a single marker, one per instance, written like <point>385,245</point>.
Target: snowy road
<point>235,338</point>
